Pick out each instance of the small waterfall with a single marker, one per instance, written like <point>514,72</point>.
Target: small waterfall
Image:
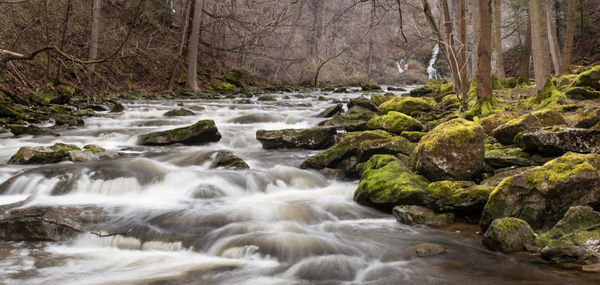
<point>400,69</point>
<point>434,73</point>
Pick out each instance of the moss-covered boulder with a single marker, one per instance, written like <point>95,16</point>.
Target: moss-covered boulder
<point>590,78</point>
<point>178,113</point>
<point>541,195</point>
<point>449,102</point>
<point>588,119</point>
<point>312,138</point>
<point>493,121</point>
<point>358,147</point>
<point>509,235</point>
<point>386,182</point>
<point>452,151</point>
<point>224,87</point>
<point>331,111</point>
<point>42,155</point>
<point>498,156</point>
<point>363,102</point>
<point>357,109</point>
<point>461,197</point>
<point>371,88</point>
<point>582,93</point>
<point>506,133</point>
<point>413,136</point>
<point>558,140</point>
<point>68,120</point>
<point>429,89</point>
<point>500,174</point>
<point>382,98</point>
<point>237,77</point>
<point>228,160</point>
<point>349,122</point>
<point>416,215</point>
<point>202,132</point>
<point>117,108</point>
<point>407,105</point>
<point>23,130</point>
<point>395,122</point>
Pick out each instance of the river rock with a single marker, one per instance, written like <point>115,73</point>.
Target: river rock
<point>429,89</point>
<point>509,235</point>
<point>506,133</point>
<point>313,138</point>
<point>178,113</point>
<point>363,102</point>
<point>60,152</point>
<point>21,130</point>
<point>228,160</point>
<point>371,87</point>
<point>349,122</point>
<point>500,174</point>
<point>256,118</point>
<point>379,99</point>
<point>463,197</point>
<point>493,121</point>
<point>68,120</point>
<point>386,181</point>
<point>541,195</point>
<point>452,151</point>
<point>407,105</point>
<point>356,109</point>
<point>117,108</point>
<point>202,132</point>
<point>427,249</point>
<point>416,215</point>
<point>395,122</point>
<point>331,111</point>
<point>500,157</point>
<point>558,140</point>
<point>569,254</point>
<point>42,223</point>
<point>358,147</point>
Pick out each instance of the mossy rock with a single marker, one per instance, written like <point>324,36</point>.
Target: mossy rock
<point>510,82</point>
<point>9,112</point>
<point>416,215</point>
<point>506,132</point>
<point>395,122</point>
<point>362,102</point>
<point>382,98</point>
<point>340,90</point>
<point>266,98</point>
<point>590,78</point>
<point>541,195</point>
<point>23,130</point>
<point>228,160</point>
<point>68,120</point>
<point>43,155</point>
<point>312,138</point>
<point>237,77</point>
<point>558,140</point>
<point>588,119</point>
<point>349,122</point>
<point>93,148</point>
<point>493,121</point>
<point>331,111</point>
<point>407,105</point>
<point>388,182</point>
<point>371,88</point>
<point>413,136</point>
<point>85,113</point>
<point>582,93</point>
<point>224,87</point>
<point>202,132</point>
<point>462,197</point>
<point>548,97</point>
<point>117,108</point>
<point>179,113</point>
<point>430,88</point>
<point>509,235</point>
<point>498,156</point>
<point>452,151</point>
<point>449,102</point>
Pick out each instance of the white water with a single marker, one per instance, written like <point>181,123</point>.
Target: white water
<point>271,224</point>
<point>432,72</point>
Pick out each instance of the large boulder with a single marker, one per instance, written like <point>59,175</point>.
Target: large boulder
<point>429,89</point>
<point>506,132</point>
<point>202,132</point>
<point>590,78</point>
<point>541,195</point>
<point>395,122</point>
<point>379,99</point>
<point>60,152</point>
<point>509,235</point>
<point>358,147</point>
<point>461,197</point>
<point>331,111</point>
<point>387,182</point>
<point>558,140</point>
<point>349,122</point>
<point>416,215</point>
<point>589,120</point>
<point>363,102</point>
<point>22,130</point>
<point>582,93</point>
<point>452,151</point>
<point>498,156</point>
<point>407,105</point>
<point>313,138</point>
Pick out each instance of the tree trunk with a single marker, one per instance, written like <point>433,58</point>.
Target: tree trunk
<point>94,34</point>
<point>484,74</point>
<point>182,37</point>
<point>552,39</point>
<point>497,57</point>
<point>539,42</point>
<point>569,36</point>
<point>192,52</point>
<point>371,43</point>
<point>462,38</point>
<point>450,47</point>
<point>476,32</point>
<point>526,54</point>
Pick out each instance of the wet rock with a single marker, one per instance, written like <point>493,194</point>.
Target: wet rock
<point>202,132</point>
<point>429,89</point>
<point>313,138</point>
<point>21,130</point>
<point>395,122</point>
<point>370,87</point>
<point>506,133</point>
<point>568,254</point>
<point>452,151</point>
<point>43,223</point>
<point>363,102</point>
<point>178,113</point>
<point>42,155</point>
<point>340,90</point>
<point>463,197</point>
<point>386,182</point>
<point>349,122</point>
<point>331,111</point>
<point>68,120</point>
<point>228,160</point>
<point>500,157</point>
<point>331,173</point>
<point>416,215</point>
<point>356,109</point>
<point>427,249</point>
<point>509,235</point>
<point>266,98</point>
<point>541,195</point>
<point>256,118</point>
<point>207,191</point>
<point>96,107</point>
<point>407,105</point>
<point>117,108</point>
<point>358,147</point>
<point>582,93</point>
<point>558,140</point>
<point>84,113</point>
<point>398,89</point>
<point>8,112</point>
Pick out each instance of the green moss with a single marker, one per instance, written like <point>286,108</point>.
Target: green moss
<point>523,83</point>
<point>379,99</point>
<point>62,146</point>
<point>548,97</point>
<point>456,132</point>
<point>483,108</point>
<point>224,87</point>
<point>496,82</point>
<point>65,90</point>
<point>457,195</point>
<point>413,136</point>
<point>374,163</point>
<point>559,169</point>
<point>586,79</point>
<point>496,203</point>
<point>407,105</point>
<point>446,89</point>
<point>395,122</point>
<point>236,77</point>
<point>93,148</point>
<point>371,87</point>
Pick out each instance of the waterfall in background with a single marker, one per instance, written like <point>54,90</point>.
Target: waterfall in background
<point>433,73</point>
<point>400,68</point>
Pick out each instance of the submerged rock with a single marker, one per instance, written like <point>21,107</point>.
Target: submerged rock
<point>313,138</point>
<point>416,215</point>
<point>558,140</point>
<point>507,132</point>
<point>202,132</point>
<point>509,235</point>
<point>541,195</point>
<point>452,151</point>
<point>427,249</point>
<point>178,113</point>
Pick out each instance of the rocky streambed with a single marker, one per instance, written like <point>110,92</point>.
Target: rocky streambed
<point>304,188</point>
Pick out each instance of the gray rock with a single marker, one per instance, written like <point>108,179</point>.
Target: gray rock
<point>558,140</point>
<point>509,235</point>
<point>313,138</point>
<point>202,132</point>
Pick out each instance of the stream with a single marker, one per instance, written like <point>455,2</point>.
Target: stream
<point>190,224</point>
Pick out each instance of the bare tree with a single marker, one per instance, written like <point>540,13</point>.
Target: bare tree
<point>552,39</point>
<point>484,74</point>
<point>192,56</point>
<point>569,35</point>
<point>539,42</point>
<point>526,55</point>
<point>94,34</point>
<point>497,56</point>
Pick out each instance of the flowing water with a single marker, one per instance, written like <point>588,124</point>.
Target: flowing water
<point>431,71</point>
<point>190,224</point>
